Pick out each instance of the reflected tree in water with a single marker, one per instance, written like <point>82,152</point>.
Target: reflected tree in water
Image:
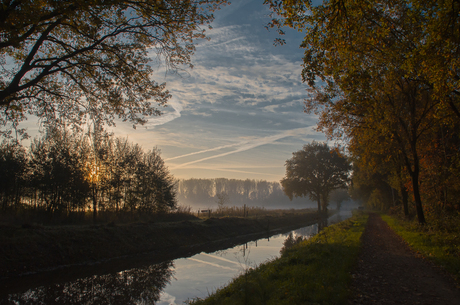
<point>135,286</point>
<point>290,241</point>
<point>304,234</point>
<point>322,224</point>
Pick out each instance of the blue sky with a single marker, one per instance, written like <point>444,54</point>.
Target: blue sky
<point>239,112</point>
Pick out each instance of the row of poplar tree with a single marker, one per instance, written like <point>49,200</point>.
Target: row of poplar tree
<point>74,171</point>
<point>203,192</point>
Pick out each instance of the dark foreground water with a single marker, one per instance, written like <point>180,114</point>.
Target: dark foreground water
<point>169,282</point>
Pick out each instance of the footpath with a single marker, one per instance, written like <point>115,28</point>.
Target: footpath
<point>388,272</point>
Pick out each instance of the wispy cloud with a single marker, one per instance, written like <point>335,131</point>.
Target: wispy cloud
<point>167,116</point>
<point>242,93</point>
<point>247,145</point>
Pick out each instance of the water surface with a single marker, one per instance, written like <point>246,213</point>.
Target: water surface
<point>170,282</point>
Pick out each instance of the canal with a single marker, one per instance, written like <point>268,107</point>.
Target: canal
<point>165,283</point>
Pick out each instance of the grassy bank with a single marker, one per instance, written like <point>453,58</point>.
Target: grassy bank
<point>438,241</point>
<point>33,248</point>
<point>314,271</point>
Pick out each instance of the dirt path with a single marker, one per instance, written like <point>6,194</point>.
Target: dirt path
<point>388,272</point>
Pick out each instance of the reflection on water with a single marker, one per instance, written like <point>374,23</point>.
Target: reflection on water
<point>322,224</point>
<point>203,273</point>
<point>195,276</point>
<point>290,241</point>
<point>135,286</point>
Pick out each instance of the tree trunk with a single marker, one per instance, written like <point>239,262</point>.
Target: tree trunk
<point>325,203</point>
<point>403,191</point>
<point>94,204</point>
<point>415,182</point>
<point>405,199</point>
<point>417,198</point>
<point>319,203</point>
<point>414,172</point>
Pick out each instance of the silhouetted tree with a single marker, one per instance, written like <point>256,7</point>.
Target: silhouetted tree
<point>315,171</point>
<point>65,171</point>
<point>156,183</point>
<point>58,167</point>
<point>13,173</point>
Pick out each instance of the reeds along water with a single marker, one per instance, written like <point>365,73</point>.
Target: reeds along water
<point>246,211</point>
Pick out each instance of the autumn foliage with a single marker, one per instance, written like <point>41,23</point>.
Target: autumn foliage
<point>383,77</point>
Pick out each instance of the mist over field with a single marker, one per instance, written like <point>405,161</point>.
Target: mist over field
<point>203,194</point>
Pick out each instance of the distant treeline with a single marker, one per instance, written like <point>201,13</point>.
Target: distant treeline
<point>203,193</point>
<point>66,172</point>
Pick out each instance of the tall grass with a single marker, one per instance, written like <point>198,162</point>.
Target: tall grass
<point>252,212</point>
<point>315,271</point>
<point>32,216</point>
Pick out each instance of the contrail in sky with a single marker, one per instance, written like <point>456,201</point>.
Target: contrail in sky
<point>247,145</point>
<point>207,150</point>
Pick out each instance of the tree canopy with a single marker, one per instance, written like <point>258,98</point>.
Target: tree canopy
<point>65,173</point>
<point>350,43</point>
<point>315,171</point>
<point>383,76</point>
<point>63,60</point>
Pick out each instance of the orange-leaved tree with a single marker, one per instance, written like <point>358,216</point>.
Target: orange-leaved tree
<point>368,66</point>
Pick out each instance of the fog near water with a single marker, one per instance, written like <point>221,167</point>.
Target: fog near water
<point>204,194</point>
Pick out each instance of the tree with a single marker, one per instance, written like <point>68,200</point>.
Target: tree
<point>66,171</point>
<point>421,38</point>
<point>378,163</point>
<point>57,162</point>
<point>385,66</point>
<point>13,173</point>
<point>315,171</point>
<point>338,196</point>
<point>63,60</point>
<point>222,199</point>
<point>100,143</point>
<point>156,184</point>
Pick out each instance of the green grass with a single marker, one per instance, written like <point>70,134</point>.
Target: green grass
<point>438,241</point>
<point>315,271</point>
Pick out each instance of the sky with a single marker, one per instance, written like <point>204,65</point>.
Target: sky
<point>239,112</point>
